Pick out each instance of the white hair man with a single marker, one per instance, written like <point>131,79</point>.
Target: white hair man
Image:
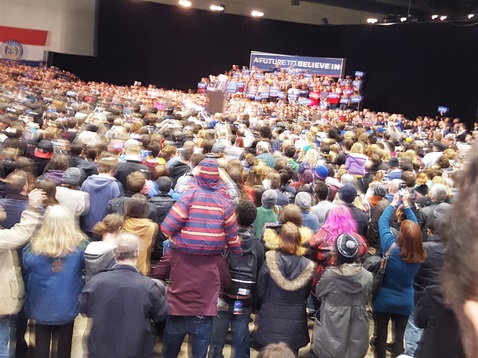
<point>105,297</point>
<point>263,153</point>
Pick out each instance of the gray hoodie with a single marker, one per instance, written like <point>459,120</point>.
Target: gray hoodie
<point>98,257</point>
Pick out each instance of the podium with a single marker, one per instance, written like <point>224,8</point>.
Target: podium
<point>216,102</point>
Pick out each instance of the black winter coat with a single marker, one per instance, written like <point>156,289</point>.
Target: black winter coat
<point>162,204</point>
<point>123,169</point>
<point>122,302</point>
<point>118,206</point>
<point>441,334</point>
<point>360,218</point>
<point>429,272</point>
<point>178,169</point>
<point>283,285</point>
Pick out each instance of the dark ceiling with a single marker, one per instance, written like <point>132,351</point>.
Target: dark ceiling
<point>421,9</point>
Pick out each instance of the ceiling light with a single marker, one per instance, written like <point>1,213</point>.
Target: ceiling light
<point>434,17</point>
<point>256,13</point>
<point>185,3</point>
<point>443,17</point>
<point>372,20</point>
<point>471,16</point>
<point>403,19</point>
<point>218,8</point>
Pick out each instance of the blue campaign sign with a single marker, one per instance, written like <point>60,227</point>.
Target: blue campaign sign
<point>232,87</point>
<point>323,66</point>
<point>304,101</point>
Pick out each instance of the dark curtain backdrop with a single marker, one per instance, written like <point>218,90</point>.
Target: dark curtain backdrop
<point>410,68</point>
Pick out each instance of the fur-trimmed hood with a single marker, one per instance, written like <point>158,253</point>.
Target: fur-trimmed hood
<point>272,239</point>
<point>289,272</point>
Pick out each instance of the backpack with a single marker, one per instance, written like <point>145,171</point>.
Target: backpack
<point>243,273</point>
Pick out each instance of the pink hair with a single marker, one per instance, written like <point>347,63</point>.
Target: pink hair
<point>339,221</point>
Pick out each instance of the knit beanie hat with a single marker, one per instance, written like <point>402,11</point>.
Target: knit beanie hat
<point>269,198</point>
<point>164,184</point>
<point>393,162</point>
<point>218,147</point>
<point>303,200</point>
<point>347,193</point>
<point>380,190</point>
<point>347,248</point>
<point>71,176</point>
<point>321,172</point>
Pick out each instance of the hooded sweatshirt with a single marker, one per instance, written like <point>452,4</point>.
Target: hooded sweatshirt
<point>101,188</point>
<point>98,257</point>
<point>55,175</point>
<point>146,231</point>
<point>355,163</point>
<point>203,222</point>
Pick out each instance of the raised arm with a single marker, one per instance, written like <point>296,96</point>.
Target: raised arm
<point>407,209</point>
<point>19,235</point>
<point>386,236</point>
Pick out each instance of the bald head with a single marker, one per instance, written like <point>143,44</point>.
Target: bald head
<point>393,186</point>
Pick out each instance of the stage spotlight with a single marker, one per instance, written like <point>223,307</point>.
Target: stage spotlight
<point>257,13</point>
<point>471,16</point>
<point>185,3</point>
<point>403,19</point>
<point>372,20</point>
<point>218,8</point>
<point>434,17</point>
<point>443,17</point>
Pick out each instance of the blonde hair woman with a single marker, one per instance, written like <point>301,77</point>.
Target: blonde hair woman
<point>54,262</point>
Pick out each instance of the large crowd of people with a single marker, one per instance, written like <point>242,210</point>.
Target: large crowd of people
<point>132,205</point>
<point>288,85</point>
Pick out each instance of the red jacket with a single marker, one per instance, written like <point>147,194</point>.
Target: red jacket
<point>325,253</point>
<point>194,282</point>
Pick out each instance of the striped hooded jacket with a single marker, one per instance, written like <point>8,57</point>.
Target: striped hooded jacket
<point>202,221</point>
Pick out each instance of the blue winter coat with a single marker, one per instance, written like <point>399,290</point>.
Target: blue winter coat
<point>54,284</point>
<point>396,293</point>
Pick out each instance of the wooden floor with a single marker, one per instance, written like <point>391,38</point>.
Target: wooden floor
<point>80,332</point>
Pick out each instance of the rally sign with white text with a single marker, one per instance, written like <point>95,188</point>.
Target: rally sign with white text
<point>323,66</point>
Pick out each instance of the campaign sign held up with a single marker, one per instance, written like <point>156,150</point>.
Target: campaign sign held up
<point>323,66</point>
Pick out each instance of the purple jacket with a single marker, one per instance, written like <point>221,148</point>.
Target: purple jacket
<point>355,163</point>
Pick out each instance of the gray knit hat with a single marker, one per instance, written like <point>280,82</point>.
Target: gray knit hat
<point>71,176</point>
<point>269,198</point>
<point>380,190</point>
<point>303,200</point>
